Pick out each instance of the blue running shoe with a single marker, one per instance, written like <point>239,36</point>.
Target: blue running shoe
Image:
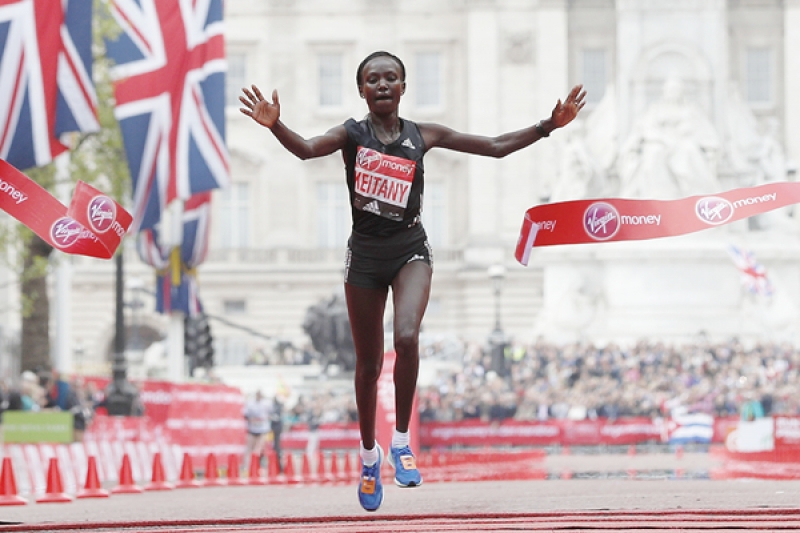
<point>370,489</point>
<point>404,463</point>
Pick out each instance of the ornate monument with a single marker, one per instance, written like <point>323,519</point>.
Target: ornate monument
<point>679,129</point>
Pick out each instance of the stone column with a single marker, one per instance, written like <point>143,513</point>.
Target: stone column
<point>483,80</point>
<point>792,79</point>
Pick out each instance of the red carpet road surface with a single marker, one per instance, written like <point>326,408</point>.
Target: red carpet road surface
<point>547,505</point>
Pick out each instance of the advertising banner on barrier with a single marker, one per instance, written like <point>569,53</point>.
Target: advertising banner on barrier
<point>535,433</point>
<point>23,427</point>
<point>201,417</point>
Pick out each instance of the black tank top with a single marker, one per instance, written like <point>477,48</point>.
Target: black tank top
<point>386,182</point>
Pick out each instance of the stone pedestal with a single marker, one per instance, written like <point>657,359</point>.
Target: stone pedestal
<point>675,289</point>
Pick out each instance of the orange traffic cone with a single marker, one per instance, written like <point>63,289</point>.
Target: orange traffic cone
<point>212,475</point>
<point>126,483</point>
<point>92,489</point>
<point>159,480</point>
<point>254,477</point>
<point>233,471</point>
<point>55,487</point>
<point>8,485</point>
<point>187,479</point>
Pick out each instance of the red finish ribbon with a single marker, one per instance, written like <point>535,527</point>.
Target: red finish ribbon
<point>93,225</point>
<point>616,219</point>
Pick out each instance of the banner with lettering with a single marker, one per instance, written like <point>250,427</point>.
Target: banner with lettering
<point>93,225</point>
<point>618,219</point>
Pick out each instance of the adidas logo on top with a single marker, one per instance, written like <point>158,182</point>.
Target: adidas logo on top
<point>408,144</point>
<point>373,207</point>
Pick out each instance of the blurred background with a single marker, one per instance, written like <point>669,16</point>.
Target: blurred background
<point>683,98</point>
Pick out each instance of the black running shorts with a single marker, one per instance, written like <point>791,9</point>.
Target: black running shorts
<point>373,262</point>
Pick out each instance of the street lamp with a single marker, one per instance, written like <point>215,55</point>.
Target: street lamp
<point>121,395</point>
<point>497,273</point>
<point>497,340</point>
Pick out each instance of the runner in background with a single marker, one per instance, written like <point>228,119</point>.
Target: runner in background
<point>256,413</point>
<point>388,246</point>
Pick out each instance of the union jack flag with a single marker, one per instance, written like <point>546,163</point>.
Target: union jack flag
<point>753,273</point>
<point>30,41</point>
<point>76,109</point>
<point>176,279</point>
<point>170,64</point>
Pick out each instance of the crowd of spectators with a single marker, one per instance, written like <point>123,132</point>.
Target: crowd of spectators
<point>542,381</point>
<point>578,381</point>
<point>46,390</point>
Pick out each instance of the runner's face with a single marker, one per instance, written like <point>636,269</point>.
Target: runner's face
<point>383,84</point>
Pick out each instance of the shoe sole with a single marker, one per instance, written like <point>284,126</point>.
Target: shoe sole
<point>373,510</point>
<point>409,486</point>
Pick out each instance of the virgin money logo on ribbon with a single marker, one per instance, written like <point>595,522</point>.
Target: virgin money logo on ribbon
<point>626,219</point>
<point>714,210</point>
<point>369,159</point>
<point>102,213</point>
<point>65,232</point>
<point>601,221</point>
<point>77,229</point>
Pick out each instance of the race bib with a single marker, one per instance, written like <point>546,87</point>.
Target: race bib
<point>382,183</point>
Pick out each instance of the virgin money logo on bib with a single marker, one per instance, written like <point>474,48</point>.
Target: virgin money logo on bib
<point>369,159</point>
<point>714,210</point>
<point>65,232</point>
<point>101,214</point>
<point>601,221</point>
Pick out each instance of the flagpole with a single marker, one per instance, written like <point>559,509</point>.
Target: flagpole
<point>176,365</point>
<point>63,339</point>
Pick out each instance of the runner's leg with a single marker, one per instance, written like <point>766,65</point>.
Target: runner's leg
<point>411,290</point>
<point>365,308</point>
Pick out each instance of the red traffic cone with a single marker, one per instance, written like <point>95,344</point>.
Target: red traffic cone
<point>321,475</point>
<point>159,480</point>
<point>233,471</point>
<point>212,475</point>
<point>187,479</point>
<point>55,487</point>
<point>254,477</point>
<point>288,470</point>
<point>305,470</point>
<point>8,485</point>
<point>126,483</point>
<point>348,472</point>
<point>92,489</point>
<point>273,468</point>
<point>333,471</point>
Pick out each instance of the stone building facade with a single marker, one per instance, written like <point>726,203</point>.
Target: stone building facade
<point>482,66</point>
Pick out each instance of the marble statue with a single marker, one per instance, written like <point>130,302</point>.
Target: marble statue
<point>671,151</point>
